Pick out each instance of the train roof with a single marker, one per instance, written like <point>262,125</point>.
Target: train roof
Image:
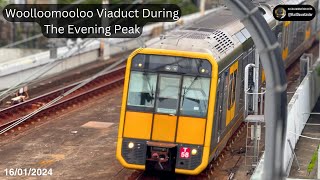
<point>217,33</point>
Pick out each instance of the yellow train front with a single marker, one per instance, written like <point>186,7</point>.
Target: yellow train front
<point>183,96</point>
<point>165,117</point>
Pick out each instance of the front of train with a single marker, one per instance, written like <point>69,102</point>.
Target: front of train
<point>167,111</point>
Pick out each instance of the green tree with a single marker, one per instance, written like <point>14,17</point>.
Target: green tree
<point>3,3</point>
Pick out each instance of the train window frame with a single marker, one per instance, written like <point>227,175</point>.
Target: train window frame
<point>132,82</point>
<point>158,96</point>
<point>189,87</point>
<point>180,75</point>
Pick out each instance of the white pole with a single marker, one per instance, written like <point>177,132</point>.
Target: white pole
<point>202,7</point>
<point>53,41</point>
<point>256,82</point>
<point>104,45</point>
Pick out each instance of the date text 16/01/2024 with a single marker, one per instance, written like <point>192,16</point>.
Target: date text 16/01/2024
<point>28,172</point>
<point>71,29</point>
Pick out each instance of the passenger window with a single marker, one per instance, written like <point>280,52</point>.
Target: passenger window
<point>232,89</point>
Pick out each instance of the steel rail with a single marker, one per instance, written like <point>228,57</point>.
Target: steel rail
<point>54,93</point>
<point>69,89</point>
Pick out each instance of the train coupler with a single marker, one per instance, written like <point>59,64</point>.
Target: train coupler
<point>161,156</point>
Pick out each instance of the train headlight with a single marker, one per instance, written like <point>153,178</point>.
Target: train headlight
<point>203,71</point>
<point>171,68</point>
<point>140,65</point>
<point>130,145</point>
<point>168,68</point>
<point>194,152</point>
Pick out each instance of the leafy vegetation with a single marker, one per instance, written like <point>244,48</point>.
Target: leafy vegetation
<point>313,161</point>
<point>3,3</point>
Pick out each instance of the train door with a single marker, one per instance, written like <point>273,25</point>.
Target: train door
<point>224,99</point>
<point>167,102</point>
<point>219,108</point>
<point>231,108</point>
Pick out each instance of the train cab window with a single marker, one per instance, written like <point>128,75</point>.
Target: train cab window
<point>168,93</point>
<point>194,98</point>
<point>142,89</point>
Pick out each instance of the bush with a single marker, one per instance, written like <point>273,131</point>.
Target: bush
<point>313,161</point>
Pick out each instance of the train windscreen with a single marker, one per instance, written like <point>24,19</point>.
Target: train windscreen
<point>169,85</point>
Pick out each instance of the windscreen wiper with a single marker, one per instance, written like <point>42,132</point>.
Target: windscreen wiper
<point>187,89</point>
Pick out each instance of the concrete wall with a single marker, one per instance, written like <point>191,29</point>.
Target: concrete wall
<point>28,74</point>
<point>15,53</point>
<point>299,108</point>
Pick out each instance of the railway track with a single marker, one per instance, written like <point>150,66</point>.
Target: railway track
<point>51,83</point>
<point>96,87</point>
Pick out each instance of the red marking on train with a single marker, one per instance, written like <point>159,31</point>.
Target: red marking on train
<point>185,152</point>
